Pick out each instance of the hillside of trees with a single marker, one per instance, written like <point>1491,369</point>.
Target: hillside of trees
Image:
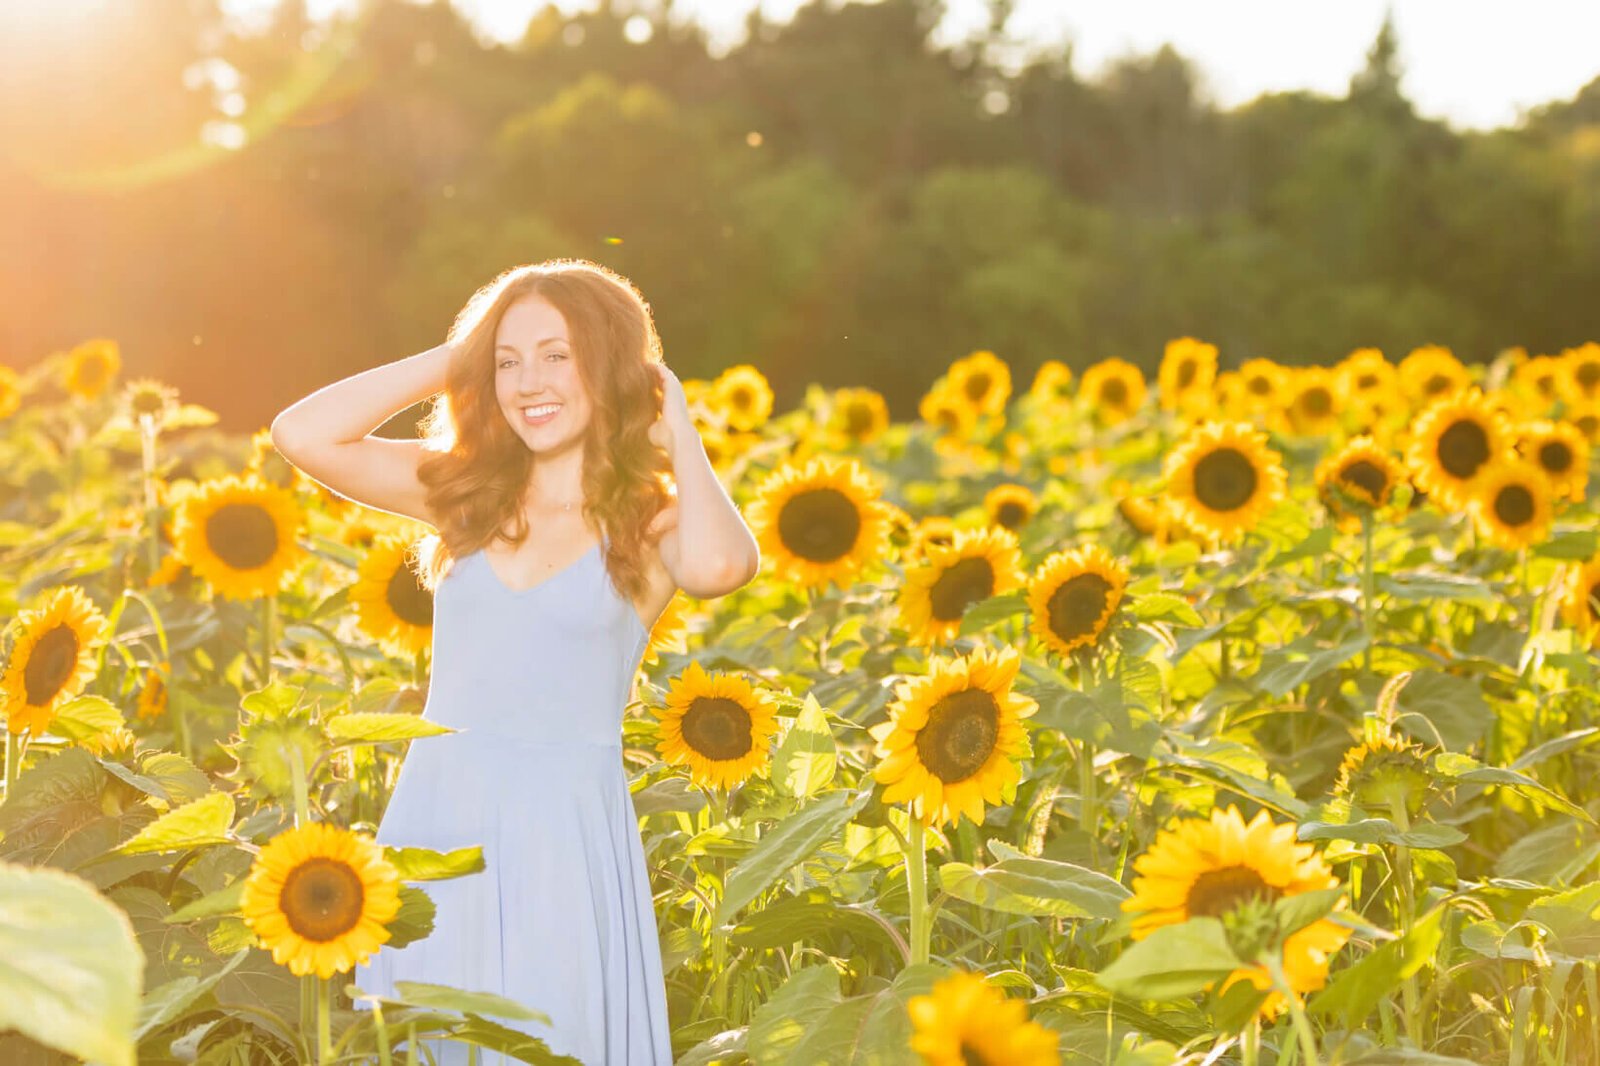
<point>835,200</point>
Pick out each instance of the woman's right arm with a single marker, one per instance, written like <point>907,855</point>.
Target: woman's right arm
<point>327,434</point>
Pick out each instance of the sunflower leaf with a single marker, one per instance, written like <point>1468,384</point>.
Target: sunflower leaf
<point>421,864</point>
<point>803,762</point>
<point>987,613</point>
<point>368,728</point>
<point>1172,962</point>
<point>1383,831</point>
<point>1035,886</point>
<point>85,717</point>
<point>72,973</point>
<point>793,840</point>
<point>199,822</point>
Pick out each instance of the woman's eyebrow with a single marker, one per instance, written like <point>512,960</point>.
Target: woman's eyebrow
<point>542,342</point>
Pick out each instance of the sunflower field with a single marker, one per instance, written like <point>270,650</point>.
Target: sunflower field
<point>1230,716</point>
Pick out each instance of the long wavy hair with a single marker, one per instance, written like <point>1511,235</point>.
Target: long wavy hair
<point>476,468</point>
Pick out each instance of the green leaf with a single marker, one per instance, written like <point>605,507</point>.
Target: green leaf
<point>421,864</point>
<point>1572,544</point>
<point>796,1008</point>
<point>443,997</point>
<point>986,614</point>
<point>672,793</point>
<point>803,762</point>
<point>202,821</point>
<point>1035,886</point>
<point>791,841</point>
<point>85,717</point>
<point>1355,992</point>
<point>168,1002</point>
<point>1298,911</point>
<point>1279,675</point>
<point>1465,770</point>
<point>211,905</point>
<point>1383,831</point>
<point>1172,962</point>
<point>379,728</point>
<point>1440,708</point>
<point>71,972</point>
<point>1165,607</point>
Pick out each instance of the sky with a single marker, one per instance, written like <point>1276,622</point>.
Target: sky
<point>1474,63</point>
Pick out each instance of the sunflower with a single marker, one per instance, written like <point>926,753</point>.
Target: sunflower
<point>10,392</point>
<point>964,1021</point>
<point>1452,443</point>
<point>983,380</point>
<point>1312,400</point>
<point>1223,478</point>
<point>1432,373</point>
<point>319,898</point>
<point>1384,772</point>
<point>1261,386</point>
<point>117,743</point>
<point>1365,373</point>
<point>391,604</point>
<point>859,415</point>
<point>978,564</point>
<point>53,658</point>
<point>952,416</point>
<point>1010,506</point>
<point>1142,513</point>
<point>1357,479</point>
<point>148,403</point>
<point>91,366</point>
<point>1582,602</point>
<point>1512,503</point>
<point>954,736</point>
<point>1580,376</point>
<point>1115,390</point>
<point>935,531</point>
<point>1073,596</point>
<point>1584,415</point>
<point>1188,368</point>
<point>743,395</point>
<point>1539,381</point>
<point>670,628</point>
<point>1208,867</point>
<point>1052,384</point>
<point>820,522</point>
<point>238,533</point>
<point>1561,452</point>
<point>153,694</point>
<point>719,725</point>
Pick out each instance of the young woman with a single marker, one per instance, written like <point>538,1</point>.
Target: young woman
<point>547,466</point>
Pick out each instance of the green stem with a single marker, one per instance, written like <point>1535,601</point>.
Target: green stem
<point>1250,1043</point>
<point>1406,892</point>
<point>1302,1024</point>
<point>269,611</point>
<point>324,1029</point>
<point>13,758</point>
<point>719,938</point>
<point>383,1035</point>
<point>1369,586</point>
<point>916,883</point>
<point>1088,816</point>
<point>152,517</point>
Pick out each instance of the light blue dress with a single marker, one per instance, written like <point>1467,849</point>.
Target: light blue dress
<point>561,920</point>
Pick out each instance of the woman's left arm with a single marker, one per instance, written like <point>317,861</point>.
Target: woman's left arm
<point>708,551</point>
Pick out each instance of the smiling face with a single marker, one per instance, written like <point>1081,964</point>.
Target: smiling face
<point>541,393</point>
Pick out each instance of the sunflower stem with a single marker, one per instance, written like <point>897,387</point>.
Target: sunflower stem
<point>1088,816</point>
<point>1406,893</point>
<point>268,612</point>
<point>382,1031</point>
<point>1302,1024</point>
<point>1250,1043</point>
<point>324,1028</point>
<point>1368,586</point>
<point>13,759</point>
<point>916,878</point>
<point>147,460</point>
<point>719,938</point>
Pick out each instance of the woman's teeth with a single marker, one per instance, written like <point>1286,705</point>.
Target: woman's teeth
<point>540,414</point>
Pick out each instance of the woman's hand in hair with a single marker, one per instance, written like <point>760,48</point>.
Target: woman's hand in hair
<point>674,419</point>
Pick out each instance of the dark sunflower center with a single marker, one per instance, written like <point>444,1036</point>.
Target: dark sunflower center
<point>1588,375</point>
<point>1513,505</point>
<point>1546,384</point>
<point>942,540</point>
<point>1316,402</point>
<point>959,735</point>
<point>1186,372</point>
<point>971,1056</point>
<point>977,385</point>
<point>146,402</point>
<point>408,599</point>
<point>717,727</point>
<point>1587,425</point>
<point>949,421</point>
<point>50,665</point>
<point>1225,480</point>
<point>322,899</point>
<point>1114,392</point>
<point>960,586</point>
<point>1463,447</point>
<point>1216,892</point>
<point>1011,514</point>
<point>857,419</point>
<point>1367,477</point>
<point>1367,381</point>
<point>1594,601</point>
<point>819,524</point>
<point>1261,385</point>
<point>742,397</point>
<point>1437,383</point>
<point>242,535</point>
<point>1077,604</point>
<point>1555,456</point>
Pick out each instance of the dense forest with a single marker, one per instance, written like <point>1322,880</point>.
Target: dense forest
<point>835,200</point>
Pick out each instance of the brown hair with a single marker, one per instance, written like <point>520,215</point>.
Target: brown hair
<point>480,467</point>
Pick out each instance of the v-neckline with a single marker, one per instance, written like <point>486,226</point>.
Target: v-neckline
<point>488,565</point>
